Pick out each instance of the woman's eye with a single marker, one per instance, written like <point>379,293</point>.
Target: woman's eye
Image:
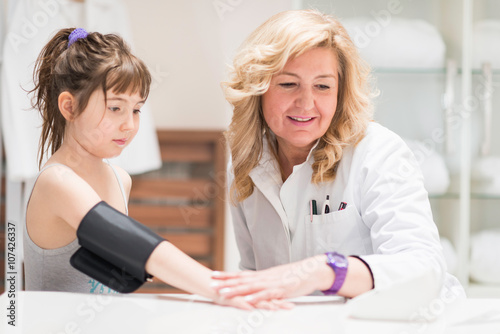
<point>288,84</point>
<point>323,87</point>
<point>114,109</point>
<point>137,111</point>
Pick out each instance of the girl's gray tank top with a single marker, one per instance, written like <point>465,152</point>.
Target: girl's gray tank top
<point>50,270</point>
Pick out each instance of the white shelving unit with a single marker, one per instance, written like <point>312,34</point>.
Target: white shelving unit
<point>485,205</point>
<point>463,238</point>
<point>411,104</point>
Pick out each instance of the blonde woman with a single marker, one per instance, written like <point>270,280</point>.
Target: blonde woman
<point>324,199</point>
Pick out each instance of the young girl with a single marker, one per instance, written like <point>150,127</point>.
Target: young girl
<point>89,90</point>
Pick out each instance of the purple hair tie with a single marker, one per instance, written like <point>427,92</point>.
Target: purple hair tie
<point>76,35</point>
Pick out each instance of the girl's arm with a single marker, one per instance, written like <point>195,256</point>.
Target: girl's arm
<point>72,199</point>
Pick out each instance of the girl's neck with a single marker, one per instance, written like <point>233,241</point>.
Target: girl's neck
<point>76,157</point>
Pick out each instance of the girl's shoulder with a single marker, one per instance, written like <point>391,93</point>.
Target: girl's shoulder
<point>124,176</point>
<point>56,172</point>
<point>62,192</point>
<point>58,179</point>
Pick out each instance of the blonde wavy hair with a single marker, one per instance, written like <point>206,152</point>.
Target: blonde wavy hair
<point>263,54</point>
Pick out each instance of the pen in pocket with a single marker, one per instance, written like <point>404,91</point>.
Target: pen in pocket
<point>326,205</point>
<point>313,208</point>
<point>342,206</point>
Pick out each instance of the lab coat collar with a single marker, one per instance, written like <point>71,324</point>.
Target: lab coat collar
<point>266,177</point>
<point>308,159</point>
<point>268,165</point>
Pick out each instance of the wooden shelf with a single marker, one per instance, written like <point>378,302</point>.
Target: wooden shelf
<point>187,209</point>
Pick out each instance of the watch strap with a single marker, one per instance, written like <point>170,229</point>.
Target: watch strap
<point>339,264</point>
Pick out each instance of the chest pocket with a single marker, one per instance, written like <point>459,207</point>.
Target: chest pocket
<point>341,231</point>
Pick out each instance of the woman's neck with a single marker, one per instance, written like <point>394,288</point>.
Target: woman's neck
<point>289,157</point>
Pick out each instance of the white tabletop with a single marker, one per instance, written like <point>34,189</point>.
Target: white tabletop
<point>60,312</point>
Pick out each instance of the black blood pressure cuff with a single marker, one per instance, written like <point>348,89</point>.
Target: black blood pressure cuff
<point>114,248</point>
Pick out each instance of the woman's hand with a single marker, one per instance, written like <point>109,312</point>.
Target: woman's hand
<point>277,283</point>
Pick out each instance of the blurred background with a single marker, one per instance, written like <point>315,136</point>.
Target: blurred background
<point>436,66</point>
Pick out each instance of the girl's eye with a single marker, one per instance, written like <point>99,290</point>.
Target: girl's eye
<point>288,84</point>
<point>137,111</point>
<point>114,109</point>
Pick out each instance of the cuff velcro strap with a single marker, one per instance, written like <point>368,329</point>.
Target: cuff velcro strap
<point>104,272</point>
<point>114,241</point>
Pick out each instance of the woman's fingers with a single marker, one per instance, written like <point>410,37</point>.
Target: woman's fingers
<point>267,305</point>
<point>274,304</point>
<point>248,280</point>
<point>222,275</point>
<point>283,304</point>
<point>219,284</point>
<point>257,289</point>
<point>253,294</point>
<point>238,302</point>
<point>268,294</point>
<point>241,289</point>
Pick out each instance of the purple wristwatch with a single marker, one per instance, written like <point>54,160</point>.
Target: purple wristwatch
<point>338,263</point>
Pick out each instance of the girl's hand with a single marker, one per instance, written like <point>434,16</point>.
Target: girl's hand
<point>238,302</point>
<point>277,283</point>
<point>241,303</point>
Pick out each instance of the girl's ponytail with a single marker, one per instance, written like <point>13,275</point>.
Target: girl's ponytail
<point>46,94</point>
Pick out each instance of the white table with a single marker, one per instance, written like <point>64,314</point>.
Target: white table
<point>68,313</point>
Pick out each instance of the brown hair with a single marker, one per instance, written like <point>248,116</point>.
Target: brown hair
<point>96,61</point>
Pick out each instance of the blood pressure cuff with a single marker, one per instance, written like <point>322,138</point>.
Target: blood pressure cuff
<point>114,248</point>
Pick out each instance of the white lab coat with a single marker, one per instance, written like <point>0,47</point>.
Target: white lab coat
<point>387,222</point>
<point>30,27</point>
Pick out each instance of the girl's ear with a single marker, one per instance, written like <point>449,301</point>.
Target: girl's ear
<point>67,104</point>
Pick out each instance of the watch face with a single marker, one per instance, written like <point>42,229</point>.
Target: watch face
<point>340,260</point>
<point>336,259</point>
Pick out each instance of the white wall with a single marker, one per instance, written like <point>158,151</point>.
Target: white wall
<point>186,45</point>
